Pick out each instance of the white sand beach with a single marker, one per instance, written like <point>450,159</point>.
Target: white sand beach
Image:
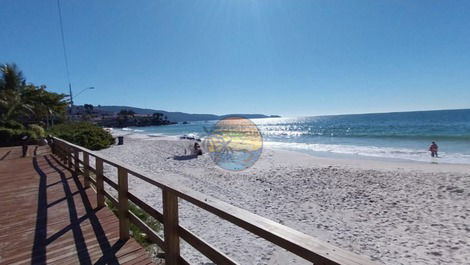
<point>394,212</point>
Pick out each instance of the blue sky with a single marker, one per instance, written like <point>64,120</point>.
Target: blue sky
<point>287,57</point>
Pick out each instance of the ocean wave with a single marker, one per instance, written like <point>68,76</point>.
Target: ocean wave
<point>155,135</point>
<point>350,134</point>
<point>372,151</point>
<point>132,130</point>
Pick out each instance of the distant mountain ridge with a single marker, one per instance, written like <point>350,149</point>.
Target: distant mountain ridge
<point>180,116</point>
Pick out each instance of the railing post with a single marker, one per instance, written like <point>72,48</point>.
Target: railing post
<point>123,206</point>
<point>99,182</point>
<point>63,153</point>
<point>58,149</point>
<point>69,157</point>
<point>76,164</point>
<point>86,169</point>
<point>52,146</point>
<point>170,226</point>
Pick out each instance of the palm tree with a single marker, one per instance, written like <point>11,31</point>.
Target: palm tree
<point>27,103</point>
<point>12,77</point>
<point>11,85</point>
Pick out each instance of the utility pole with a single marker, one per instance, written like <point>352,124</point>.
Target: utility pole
<point>71,99</point>
<point>78,94</point>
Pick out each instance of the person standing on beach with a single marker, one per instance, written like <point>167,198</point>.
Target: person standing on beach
<point>433,149</point>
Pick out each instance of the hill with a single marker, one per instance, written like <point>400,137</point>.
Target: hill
<point>178,116</point>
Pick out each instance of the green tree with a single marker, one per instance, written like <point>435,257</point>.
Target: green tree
<point>157,116</point>
<point>88,114</point>
<point>46,106</point>
<point>11,85</point>
<point>12,78</point>
<point>27,103</point>
<point>126,113</point>
<point>88,108</point>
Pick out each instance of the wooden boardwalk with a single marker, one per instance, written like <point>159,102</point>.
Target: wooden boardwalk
<point>48,217</point>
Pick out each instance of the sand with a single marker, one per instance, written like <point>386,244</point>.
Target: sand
<point>393,212</point>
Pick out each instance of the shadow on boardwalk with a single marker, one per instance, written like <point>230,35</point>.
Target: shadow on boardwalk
<point>49,217</point>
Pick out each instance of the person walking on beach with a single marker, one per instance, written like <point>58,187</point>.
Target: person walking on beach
<point>433,149</point>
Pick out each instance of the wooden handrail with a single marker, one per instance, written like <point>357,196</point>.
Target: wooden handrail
<point>300,244</point>
<point>204,247</point>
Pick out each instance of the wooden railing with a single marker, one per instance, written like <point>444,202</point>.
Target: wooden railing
<point>300,244</point>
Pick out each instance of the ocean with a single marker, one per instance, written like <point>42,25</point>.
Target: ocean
<point>389,136</point>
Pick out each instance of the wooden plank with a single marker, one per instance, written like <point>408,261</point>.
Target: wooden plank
<point>123,204</point>
<point>205,248</point>
<point>111,183</point>
<point>152,235</point>
<point>108,196</point>
<point>93,181</point>
<point>170,225</point>
<point>147,208</point>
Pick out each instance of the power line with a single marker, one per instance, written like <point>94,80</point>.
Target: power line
<point>65,52</point>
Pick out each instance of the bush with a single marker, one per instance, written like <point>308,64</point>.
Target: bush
<point>11,124</point>
<point>84,134</point>
<point>38,130</point>
<point>30,133</point>
<point>6,135</point>
<point>10,137</point>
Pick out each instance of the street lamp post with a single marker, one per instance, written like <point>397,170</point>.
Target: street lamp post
<point>71,96</point>
<point>83,90</point>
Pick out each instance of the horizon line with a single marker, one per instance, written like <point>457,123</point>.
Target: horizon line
<point>294,116</point>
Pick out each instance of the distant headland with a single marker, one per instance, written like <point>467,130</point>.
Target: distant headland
<point>133,116</point>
